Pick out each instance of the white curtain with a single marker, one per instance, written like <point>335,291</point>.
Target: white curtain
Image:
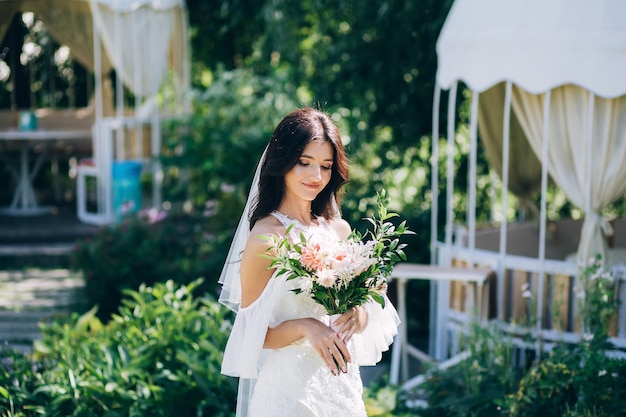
<point>137,43</point>
<point>568,157</point>
<point>524,168</point>
<point>70,23</point>
<point>180,58</point>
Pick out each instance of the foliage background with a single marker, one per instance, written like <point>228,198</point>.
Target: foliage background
<point>370,64</point>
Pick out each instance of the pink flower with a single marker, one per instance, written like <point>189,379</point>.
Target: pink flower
<point>310,257</point>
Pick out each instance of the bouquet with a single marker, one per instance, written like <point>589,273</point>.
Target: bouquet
<point>344,274</point>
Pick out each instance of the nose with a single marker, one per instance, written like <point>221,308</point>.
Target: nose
<point>316,172</point>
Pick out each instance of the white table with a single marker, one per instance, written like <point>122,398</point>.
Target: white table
<point>24,202</point>
<point>478,280</point>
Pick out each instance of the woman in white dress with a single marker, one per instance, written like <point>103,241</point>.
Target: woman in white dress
<point>290,362</point>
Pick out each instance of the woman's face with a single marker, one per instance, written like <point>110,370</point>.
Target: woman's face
<point>311,173</point>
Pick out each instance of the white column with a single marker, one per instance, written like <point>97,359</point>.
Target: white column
<point>543,212</point>
<point>471,204</point>
<point>506,140</point>
<point>434,218</point>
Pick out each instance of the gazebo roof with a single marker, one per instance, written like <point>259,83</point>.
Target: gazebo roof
<point>536,44</point>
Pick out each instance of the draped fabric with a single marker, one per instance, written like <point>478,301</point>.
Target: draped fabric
<point>179,50</point>
<point>142,39</point>
<point>136,43</point>
<point>69,23</point>
<point>572,49</point>
<point>524,167</point>
<point>568,162</point>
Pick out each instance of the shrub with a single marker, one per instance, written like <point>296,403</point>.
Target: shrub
<point>20,375</point>
<point>477,385</point>
<point>160,355</point>
<point>142,251</point>
<point>580,379</point>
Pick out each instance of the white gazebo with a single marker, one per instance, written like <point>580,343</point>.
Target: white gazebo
<point>548,104</point>
<point>146,43</point>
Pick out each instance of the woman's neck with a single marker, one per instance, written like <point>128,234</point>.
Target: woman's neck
<point>301,212</point>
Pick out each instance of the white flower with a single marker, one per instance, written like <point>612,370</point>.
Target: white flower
<point>525,287</point>
<point>527,294</point>
<point>602,372</point>
<point>607,276</point>
<point>326,278</point>
<point>579,291</point>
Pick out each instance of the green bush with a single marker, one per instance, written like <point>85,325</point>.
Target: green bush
<point>160,355</point>
<point>477,385</point>
<point>142,251</point>
<point>20,376</point>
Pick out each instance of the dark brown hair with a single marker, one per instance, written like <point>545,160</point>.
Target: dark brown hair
<point>285,148</point>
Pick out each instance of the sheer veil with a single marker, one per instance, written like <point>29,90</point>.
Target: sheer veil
<point>230,295</point>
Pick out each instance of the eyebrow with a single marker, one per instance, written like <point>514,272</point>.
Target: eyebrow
<point>310,157</point>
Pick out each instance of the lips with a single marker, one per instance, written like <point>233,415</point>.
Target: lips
<point>312,186</point>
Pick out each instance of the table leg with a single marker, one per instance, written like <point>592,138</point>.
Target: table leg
<point>24,202</point>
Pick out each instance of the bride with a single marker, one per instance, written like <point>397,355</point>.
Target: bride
<point>289,360</point>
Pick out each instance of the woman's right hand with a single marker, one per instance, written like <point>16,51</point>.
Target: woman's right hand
<point>328,344</point>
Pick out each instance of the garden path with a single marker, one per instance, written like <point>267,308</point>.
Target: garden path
<point>33,295</point>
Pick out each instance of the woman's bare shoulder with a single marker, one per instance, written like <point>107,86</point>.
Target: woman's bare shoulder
<point>255,269</point>
<point>267,226</point>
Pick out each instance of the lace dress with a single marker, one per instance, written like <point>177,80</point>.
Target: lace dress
<point>294,380</point>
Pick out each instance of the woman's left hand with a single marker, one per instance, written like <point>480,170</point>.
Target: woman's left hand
<point>351,322</point>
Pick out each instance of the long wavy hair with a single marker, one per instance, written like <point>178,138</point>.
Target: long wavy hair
<point>285,148</point>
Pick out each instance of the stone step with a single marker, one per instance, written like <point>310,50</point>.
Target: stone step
<point>32,296</point>
<point>30,249</point>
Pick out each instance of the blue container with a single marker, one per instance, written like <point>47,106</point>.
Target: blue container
<point>126,188</point>
<point>27,121</point>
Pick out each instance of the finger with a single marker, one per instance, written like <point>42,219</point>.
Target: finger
<point>345,355</point>
<point>338,358</point>
<point>349,327</point>
<point>346,321</point>
<point>346,317</point>
<point>348,334</point>
<point>351,330</point>
<point>327,355</point>
<point>340,353</point>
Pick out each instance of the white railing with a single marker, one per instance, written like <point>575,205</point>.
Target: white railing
<point>481,272</point>
<point>551,325</point>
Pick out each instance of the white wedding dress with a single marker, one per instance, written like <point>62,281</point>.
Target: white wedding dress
<point>294,381</point>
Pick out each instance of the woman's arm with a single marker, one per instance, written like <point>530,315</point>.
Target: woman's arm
<point>255,274</point>
<point>326,342</point>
